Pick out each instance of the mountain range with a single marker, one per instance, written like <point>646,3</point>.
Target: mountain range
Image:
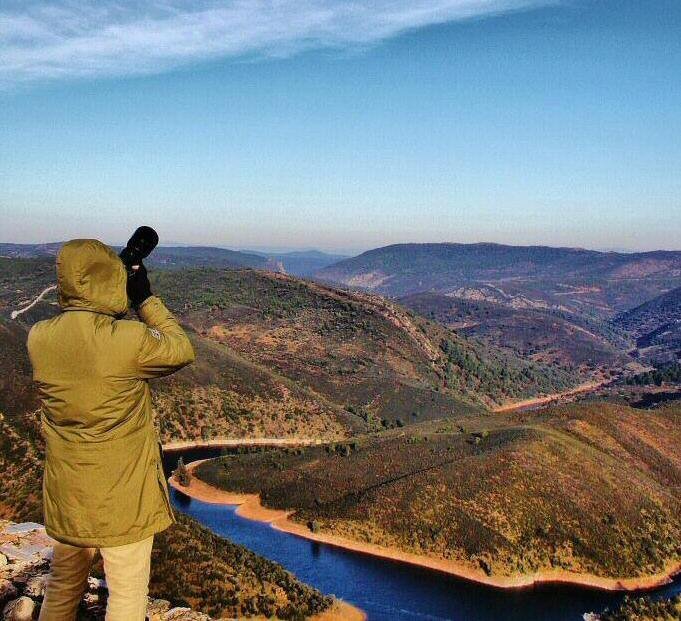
<point>297,263</point>
<point>401,390</point>
<point>589,282</point>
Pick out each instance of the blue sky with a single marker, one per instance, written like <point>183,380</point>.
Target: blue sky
<point>343,126</point>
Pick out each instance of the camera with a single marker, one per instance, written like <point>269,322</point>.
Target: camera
<point>139,247</point>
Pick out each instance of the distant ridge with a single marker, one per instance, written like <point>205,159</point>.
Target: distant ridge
<point>299,262</point>
<point>561,278</point>
<point>163,256</point>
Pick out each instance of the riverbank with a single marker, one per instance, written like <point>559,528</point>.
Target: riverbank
<point>250,507</point>
<point>181,445</point>
<point>341,611</point>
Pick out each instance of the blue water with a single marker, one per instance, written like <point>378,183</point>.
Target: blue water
<point>391,591</point>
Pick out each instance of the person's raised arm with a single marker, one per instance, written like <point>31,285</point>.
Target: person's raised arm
<point>165,347</point>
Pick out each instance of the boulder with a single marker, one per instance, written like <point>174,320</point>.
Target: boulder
<point>20,609</point>
<point>156,609</point>
<point>35,586</point>
<point>7,590</point>
<point>184,614</point>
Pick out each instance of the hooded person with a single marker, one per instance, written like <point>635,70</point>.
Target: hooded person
<point>103,485</point>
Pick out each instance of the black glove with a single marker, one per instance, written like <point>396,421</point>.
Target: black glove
<point>139,287</point>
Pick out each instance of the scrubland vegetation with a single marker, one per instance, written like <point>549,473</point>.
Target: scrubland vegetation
<point>353,349</point>
<point>506,495</point>
<point>190,564</point>
<point>670,373</point>
<point>645,609</point>
<point>412,457</point>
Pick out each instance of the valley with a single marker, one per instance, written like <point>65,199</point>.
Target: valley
<point>456,428</point>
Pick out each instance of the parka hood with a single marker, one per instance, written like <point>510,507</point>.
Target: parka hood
<point>90,276</point>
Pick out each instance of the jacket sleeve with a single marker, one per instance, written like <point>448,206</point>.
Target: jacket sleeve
<point>165,346</point>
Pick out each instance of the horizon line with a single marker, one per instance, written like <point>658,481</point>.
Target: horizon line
<point>349,253</point>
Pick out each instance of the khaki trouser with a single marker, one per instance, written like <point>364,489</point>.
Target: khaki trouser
<point>127,577</point>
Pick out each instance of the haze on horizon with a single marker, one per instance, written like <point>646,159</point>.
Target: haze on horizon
<point>342,126</point>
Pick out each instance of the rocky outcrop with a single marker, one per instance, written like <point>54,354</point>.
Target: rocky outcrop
<point>25,556</point>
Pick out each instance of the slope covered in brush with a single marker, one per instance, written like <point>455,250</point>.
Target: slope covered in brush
<point>283,356</point>
<point>584,488</point>
<point>586,346</point>
<point>21,446</point>
<point>190,564</point>
<point>358,351</point>
<point>656,327</point>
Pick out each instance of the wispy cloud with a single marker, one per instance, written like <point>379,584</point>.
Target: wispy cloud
<point>60,39</point>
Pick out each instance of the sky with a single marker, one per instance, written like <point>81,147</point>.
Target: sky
<point>342,125</point>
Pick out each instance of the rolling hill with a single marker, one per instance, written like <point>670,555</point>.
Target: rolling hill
<point>656,327</point>
<point>282,349</point>
<point>360,352</point>
<point>501,497</point>
<point>570,279</point>
<point>413,459</point>
<point>168,257</point>
<point>588,346</point>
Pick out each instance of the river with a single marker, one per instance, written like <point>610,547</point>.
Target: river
<point>388,590</point>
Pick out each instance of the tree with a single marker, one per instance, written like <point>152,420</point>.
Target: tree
<point>181,474</point>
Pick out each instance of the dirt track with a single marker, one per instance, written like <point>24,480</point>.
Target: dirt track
<point>556,396</point>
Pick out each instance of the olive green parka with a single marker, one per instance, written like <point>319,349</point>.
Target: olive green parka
<point>103,483</point>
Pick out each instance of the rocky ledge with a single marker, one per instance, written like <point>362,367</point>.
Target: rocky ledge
<point>25,555</point>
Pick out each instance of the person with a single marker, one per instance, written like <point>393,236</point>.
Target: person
<point>103,485</point>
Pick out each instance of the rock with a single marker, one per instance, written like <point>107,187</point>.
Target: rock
<point>19,610</point>
<point>25,556</point>
<point>94,605</point>
<point>94,584</point>
<point>20,571</point>
<point>184,614</point>
<point>22,528</point>
<point>156,608</point>
<point>35,586</point>
<point>7,590</point>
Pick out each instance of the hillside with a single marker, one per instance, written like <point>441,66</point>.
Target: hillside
<point>642,609</point>
<point>21,447</point>
<point>361,352</point>
<point>588,347</point>
<point>356,360</point>
<point>241,584</point>
<point>496,496</point>
<point>656,326</point>
<point>570,279</point>
<point>163,257</point>
<point>21,280</point>
<point>223,394</point>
